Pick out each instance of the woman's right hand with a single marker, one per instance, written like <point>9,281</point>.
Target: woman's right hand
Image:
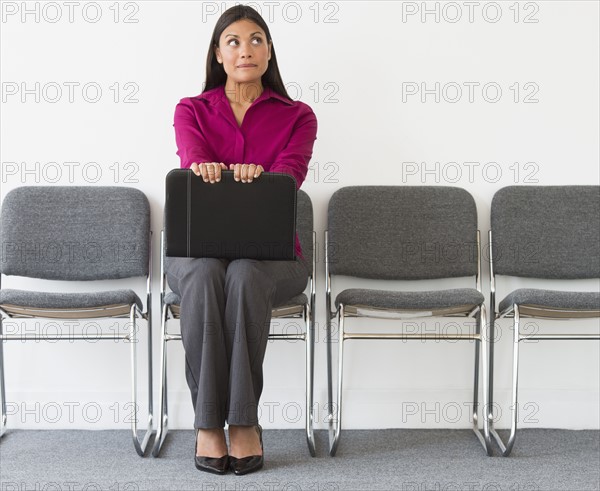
<point>210,171</point>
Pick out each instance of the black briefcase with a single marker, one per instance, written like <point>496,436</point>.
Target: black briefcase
<point>230,219</point>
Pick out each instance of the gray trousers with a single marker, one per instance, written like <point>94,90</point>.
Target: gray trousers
<point>225,321</point>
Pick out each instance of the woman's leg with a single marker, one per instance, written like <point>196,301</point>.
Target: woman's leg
<point>224,353</point>
<point>200,284</point>
<point>252,288</point>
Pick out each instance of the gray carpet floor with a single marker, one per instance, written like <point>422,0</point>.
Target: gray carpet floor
<point>408,460</point>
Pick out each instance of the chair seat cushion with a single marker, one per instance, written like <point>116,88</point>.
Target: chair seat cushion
<point>297,300</point>
<point>50,300</point>
<point>399,300</point>
<point>172,298</point>
<point>552,299</point>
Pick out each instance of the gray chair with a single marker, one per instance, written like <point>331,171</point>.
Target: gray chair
<point>77,234</point>
<point>548,232</point>
<point>298,307</point>
<point>403,233</point>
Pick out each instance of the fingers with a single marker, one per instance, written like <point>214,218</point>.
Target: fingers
<point>246,172</point>
<point>236,168</point>
<point>210,171</point>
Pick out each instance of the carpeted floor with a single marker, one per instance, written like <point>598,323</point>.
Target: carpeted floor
<point>408,460</point>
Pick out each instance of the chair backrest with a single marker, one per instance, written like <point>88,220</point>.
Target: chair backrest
<point>546,231</point>
<point>402,232</point>
<point>75,232</point>
<point>305,226</point>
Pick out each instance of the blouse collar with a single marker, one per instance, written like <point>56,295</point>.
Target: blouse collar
<point>214,96</point>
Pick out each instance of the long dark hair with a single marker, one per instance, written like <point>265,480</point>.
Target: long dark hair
<point>215,73</point>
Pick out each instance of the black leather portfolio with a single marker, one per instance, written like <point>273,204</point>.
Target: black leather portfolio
<point>230,219</point>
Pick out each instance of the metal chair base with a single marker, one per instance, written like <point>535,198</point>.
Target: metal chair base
<point>335,415</point>
<point>516,312</point>
<point>140,445</point>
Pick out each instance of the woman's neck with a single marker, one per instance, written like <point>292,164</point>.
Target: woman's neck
<point>243,93</point>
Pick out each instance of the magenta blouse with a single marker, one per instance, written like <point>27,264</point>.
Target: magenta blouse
<point>276,133</point>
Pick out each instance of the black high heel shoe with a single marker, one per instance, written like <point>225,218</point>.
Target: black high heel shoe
<point>252,463</point>
<point>214,465</point>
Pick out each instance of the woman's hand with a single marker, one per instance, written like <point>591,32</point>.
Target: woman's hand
<point>208,170</point>
<point>246,172</point>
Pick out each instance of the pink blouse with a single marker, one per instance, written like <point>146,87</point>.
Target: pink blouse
<point>276,133</point>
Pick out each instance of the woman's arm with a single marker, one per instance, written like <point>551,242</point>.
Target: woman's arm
<point>294,158</point>
<point>191,143</point>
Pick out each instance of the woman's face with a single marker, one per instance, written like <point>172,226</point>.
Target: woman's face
<point>244,52</point>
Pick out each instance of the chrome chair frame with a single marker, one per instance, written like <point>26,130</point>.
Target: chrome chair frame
<point>517,313</point>
<point>306,312</point>
<point>93,313</point>
<point>343,311</point>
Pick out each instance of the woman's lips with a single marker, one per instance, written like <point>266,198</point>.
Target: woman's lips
<point>246,66</point>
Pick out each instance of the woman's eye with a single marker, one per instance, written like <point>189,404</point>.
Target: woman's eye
<point>236,42</point>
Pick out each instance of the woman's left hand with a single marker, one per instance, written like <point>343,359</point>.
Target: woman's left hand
<point>246,172</point>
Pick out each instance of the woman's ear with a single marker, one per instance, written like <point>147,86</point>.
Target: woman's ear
<point>270,47</point>
<point>218,55</point>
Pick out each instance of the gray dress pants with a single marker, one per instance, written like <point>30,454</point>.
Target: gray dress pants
<point>225,321</point>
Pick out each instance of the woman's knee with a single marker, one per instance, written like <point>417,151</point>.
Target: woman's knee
<point>196,271</point>
<point>244,274</point>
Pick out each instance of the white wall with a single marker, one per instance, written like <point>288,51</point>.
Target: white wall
<point>355,63</point>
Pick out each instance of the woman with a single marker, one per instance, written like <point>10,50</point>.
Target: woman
<point>243,121</point>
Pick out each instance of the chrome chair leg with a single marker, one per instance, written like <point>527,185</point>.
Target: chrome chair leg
<point>328,335</point>
<point>140,447</point>
<point>162,423</point>
<point>335,424</point>
<point>506,449</point>
<point>150,374</point>
<point>489,410</point>
<point>309,341</point>
<point>2,389</point>
<point>475,407</point>
<point>482,345</point>
<point>515,380</point>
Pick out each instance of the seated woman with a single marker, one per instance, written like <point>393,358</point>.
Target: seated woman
<point>243,121</point>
